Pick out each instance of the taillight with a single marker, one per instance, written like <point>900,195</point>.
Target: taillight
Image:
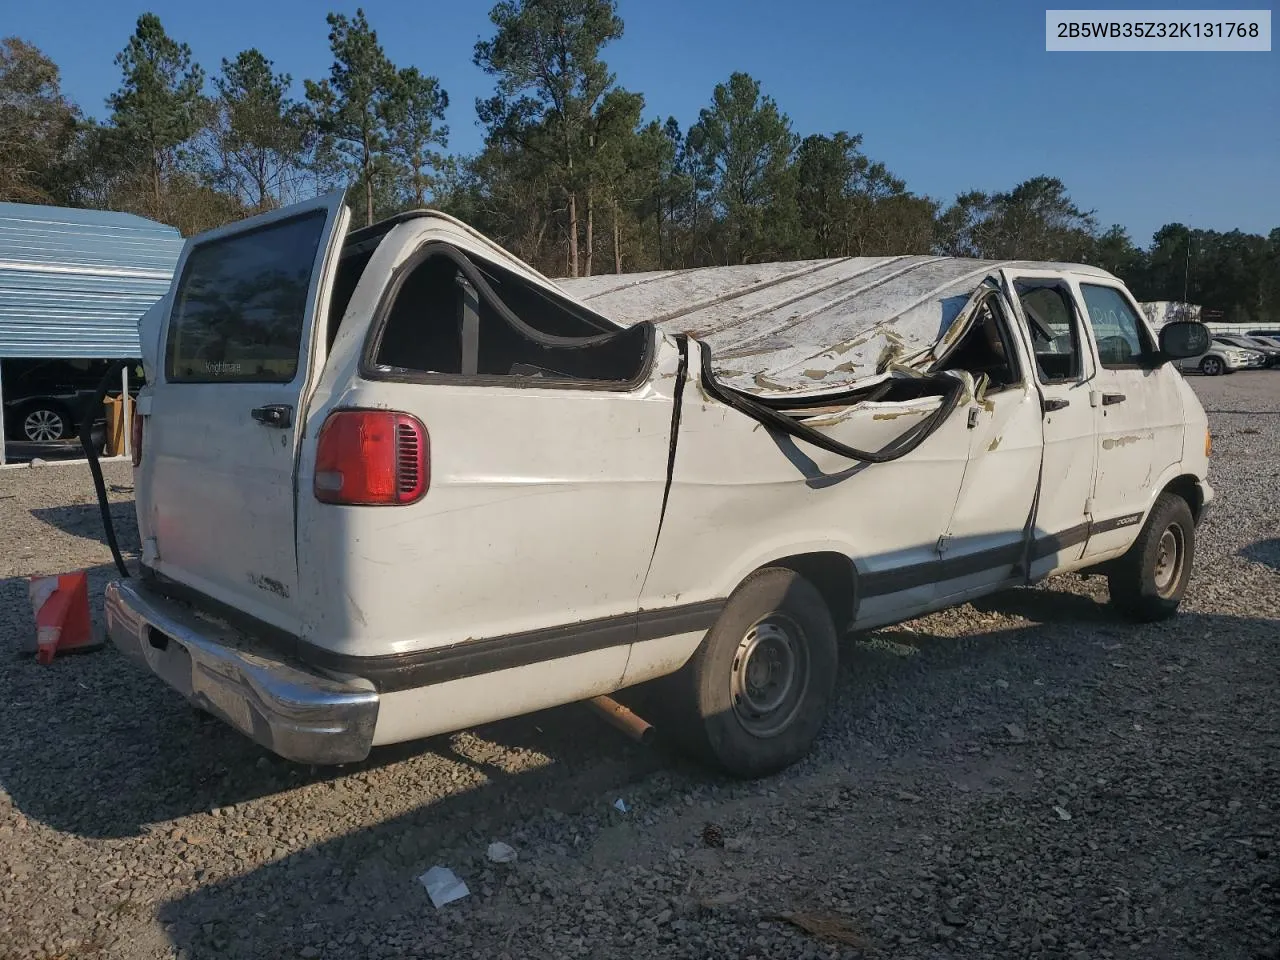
<point>135,438</point>
<point>372,457</point>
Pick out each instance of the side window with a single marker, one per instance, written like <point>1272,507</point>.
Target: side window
<point>1055,334</point>
<point>1122,341</point>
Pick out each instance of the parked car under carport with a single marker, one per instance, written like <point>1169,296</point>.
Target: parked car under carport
<point>45,400</point>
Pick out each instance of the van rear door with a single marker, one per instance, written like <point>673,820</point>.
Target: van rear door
<point>238,355</point>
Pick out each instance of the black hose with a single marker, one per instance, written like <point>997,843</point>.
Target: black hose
<point>91,454</point>
<point>952,389</point>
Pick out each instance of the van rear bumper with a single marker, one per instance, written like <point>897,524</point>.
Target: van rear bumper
<point>284,706</point>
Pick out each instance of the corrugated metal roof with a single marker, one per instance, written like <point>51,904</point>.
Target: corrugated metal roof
<point>73,283</point>
<point>807,326</point>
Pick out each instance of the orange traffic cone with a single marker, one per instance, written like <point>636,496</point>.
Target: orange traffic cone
<point>61,606</point>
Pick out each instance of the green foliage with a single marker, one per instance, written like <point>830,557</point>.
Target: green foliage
<point>1036,220</point>
<point>1236,273</point>
<point>159,106</point>
<point>37,126</point>
<point>550,82</point>
<point>259,136</point>
<point>414,113</point>
<point>742,146</point>
<point>851,206</point>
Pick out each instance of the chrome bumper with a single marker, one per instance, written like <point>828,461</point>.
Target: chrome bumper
<point>285,707</point>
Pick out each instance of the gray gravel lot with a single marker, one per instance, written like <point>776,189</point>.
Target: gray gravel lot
<point>925,825</point>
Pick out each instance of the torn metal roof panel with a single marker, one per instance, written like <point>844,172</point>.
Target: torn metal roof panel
<point>802,326</point>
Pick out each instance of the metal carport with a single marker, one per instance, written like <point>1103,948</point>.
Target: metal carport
<point>73,283</point>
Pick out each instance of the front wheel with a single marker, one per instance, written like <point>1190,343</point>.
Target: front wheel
<point>1211,366</point>
<point>1148,582</point>
<point>754,696</point>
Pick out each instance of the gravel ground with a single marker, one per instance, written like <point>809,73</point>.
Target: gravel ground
<point>1025,776</point>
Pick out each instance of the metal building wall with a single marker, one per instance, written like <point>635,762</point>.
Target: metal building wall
<point>73,283</point>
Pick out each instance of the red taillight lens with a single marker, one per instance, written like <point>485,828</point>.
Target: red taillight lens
<point>135,438</point>
<point>372,457</point>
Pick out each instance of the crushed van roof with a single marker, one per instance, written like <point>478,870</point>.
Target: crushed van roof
<point>801,326</point>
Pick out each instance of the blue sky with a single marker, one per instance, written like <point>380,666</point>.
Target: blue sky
<point>951,96</point>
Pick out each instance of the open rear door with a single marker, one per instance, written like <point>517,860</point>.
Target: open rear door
<point>239,351</point>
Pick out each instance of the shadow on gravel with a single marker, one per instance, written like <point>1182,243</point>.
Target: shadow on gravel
<point>85,519</point>
<point>96,746</point>
<point>364,883</point>
<point>1046,606</point>
<point>1265,552</point>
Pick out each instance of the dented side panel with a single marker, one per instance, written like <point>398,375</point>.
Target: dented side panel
<point>993,515</point>
<point>743,497</point>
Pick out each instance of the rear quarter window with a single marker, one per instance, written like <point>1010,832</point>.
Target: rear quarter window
<point>241,304</point>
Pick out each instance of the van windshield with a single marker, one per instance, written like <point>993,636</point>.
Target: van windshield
<point>240,306</point>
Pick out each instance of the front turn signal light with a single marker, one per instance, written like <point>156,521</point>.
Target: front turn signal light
<point>1208,443</point>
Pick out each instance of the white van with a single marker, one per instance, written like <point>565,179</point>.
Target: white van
<point>393,483</point>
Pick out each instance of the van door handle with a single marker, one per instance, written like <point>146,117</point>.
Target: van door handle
<point>1109,398</point>
<point>1050,404</point>
<point>273,414</point>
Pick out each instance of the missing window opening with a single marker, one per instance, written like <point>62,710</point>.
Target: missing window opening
<point>987,348</point>
<point>447,320</point>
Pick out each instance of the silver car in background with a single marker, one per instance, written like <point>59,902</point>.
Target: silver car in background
<point>1269,350</point>
<point>1222,357</point>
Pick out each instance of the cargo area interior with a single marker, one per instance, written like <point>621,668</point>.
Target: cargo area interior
<point>440,323</point>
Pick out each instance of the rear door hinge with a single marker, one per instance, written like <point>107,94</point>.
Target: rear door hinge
<point>1088,508</point>
<point>944,542</point>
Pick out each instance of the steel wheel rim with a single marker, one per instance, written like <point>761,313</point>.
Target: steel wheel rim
<point>770,675</point>
<point>1170,556</point>
<point>41,426</point>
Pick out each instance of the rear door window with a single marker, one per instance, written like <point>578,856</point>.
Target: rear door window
<point>240,306</point>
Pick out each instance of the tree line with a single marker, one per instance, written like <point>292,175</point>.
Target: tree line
<point>571,176</point>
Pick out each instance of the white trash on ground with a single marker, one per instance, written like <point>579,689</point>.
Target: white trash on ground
<point>500,852</point>
<point>443,886</point>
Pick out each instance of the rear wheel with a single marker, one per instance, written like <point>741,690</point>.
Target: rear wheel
<point>44,424</point>
<point>754,696</point>
<point>1149,581</point>
<point>1211,366</point>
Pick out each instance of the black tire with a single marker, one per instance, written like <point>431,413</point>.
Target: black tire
<point>754,696</point>
<point>1211,366</point>
<point>43,423</point>
<point>1149,581</point>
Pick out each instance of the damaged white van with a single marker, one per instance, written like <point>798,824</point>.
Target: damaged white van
<point>393,482</point>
